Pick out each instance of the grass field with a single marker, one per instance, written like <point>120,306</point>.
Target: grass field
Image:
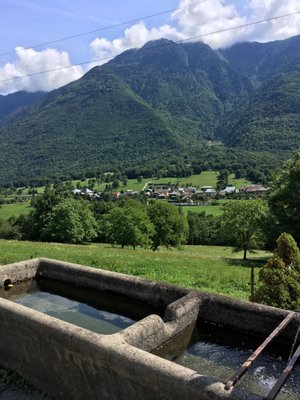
<point>206,178</point>
<point>209,210</point>
<point>16,209</point>
<point>209,268</point>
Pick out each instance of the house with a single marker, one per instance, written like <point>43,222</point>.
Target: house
<point>254,189</point>
<point>230,189</point>
<point>210,192</point>
<point>87,192</point>
<point>203,188</point>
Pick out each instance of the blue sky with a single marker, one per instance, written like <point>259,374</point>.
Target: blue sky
<point>25,23</point>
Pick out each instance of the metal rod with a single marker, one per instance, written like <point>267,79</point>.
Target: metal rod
<point>283,377</point>
<point>240,372</point>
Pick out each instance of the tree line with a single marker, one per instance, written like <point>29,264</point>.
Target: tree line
<point>245,224</point>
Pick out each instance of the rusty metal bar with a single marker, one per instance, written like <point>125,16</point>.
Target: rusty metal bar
<point>240,372</point>
<point>283,377</point>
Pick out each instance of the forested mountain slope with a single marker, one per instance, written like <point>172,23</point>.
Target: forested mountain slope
<point>151,103</point>
<point>11,102</point>
<point>97,120</point>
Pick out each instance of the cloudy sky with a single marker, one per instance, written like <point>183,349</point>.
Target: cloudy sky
<point>31,32</point>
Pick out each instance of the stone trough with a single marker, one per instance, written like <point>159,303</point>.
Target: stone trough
<point>70,362</point>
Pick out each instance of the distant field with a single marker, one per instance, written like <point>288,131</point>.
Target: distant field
<point>210,268</point>
<point>209,210</point>
<point>14,210</point>
<point>206,178</point>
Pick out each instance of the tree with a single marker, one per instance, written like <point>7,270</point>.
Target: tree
<point>128,226</point>
<point>203,229</point>
<point>170,226</point>
<point>42,204</point>
<point>284,198</point>
<point>280,278</point>
<point>243,223</point>
<point>70,221</point>
<point>223,179</point>
<point>9,229</point>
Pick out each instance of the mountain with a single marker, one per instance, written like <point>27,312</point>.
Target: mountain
<point>97,120</point>
<point>270,118</point>
<point>188,81</point>
<point>154,104</point>
<point>260,61</point>
<point>12,102</point>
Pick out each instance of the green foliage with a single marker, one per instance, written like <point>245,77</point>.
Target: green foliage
<point>287,250</point>
<point>9,230</point>
<point>243,223</point>
<point>284,199</point>
<point>270,120</point>
<point>70,221</point>
<point>128,226</point>
<point>33,224</point>
<point>280,277</point>
<point>14,101</point>
<point>203,229</point>
<point>170,100</point>
<point>211,268</point>
<point>170,225</point>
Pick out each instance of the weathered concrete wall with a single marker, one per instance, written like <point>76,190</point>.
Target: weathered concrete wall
<point>251,318</point>
<point>19,272</point>
<point>150,292</point>
<point>236,314</point>
<point>69,362</point>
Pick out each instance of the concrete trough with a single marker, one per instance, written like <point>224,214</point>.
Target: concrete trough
<point>69,362</point>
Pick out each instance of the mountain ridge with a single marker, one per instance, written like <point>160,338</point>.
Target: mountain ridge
<point>152,103</point>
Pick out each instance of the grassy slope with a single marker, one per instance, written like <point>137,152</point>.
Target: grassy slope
<point>209,210</point>
<point>206,178</point>
<point>9,210</point>
<point>208,268</point>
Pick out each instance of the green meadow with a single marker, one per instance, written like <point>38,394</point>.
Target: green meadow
<point>14,210</point>
<point>208,268</point>
<point>209,210</point>
<point>206,178</point>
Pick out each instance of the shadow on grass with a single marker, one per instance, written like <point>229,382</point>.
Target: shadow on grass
<point>256,262</point>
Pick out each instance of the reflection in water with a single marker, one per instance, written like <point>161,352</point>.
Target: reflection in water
<point>220,358</point>
<point>103,313</point>
<point>13,392</point>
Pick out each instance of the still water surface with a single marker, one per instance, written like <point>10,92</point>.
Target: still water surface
<point>103,313</point>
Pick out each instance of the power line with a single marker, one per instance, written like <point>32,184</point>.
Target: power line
<point>156,46</point>
<point>132,21</point>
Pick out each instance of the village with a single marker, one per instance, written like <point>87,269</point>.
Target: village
<point>180,195</point>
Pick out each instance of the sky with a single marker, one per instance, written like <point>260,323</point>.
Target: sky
<point>34,32</point>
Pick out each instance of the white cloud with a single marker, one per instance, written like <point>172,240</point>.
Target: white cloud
<point>29,62</point>
<point>197,19</point>
<point>203,17</point>
<point>194,18</point>
<point>135,36</point>
<point>279,28</point>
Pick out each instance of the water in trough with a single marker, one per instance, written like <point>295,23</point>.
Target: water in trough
<point>219,352</point>
<point>104,313</point>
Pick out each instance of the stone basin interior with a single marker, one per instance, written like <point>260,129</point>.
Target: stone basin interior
<point>218,351</point>
<point>102,312</point>
<point>128,321</point>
